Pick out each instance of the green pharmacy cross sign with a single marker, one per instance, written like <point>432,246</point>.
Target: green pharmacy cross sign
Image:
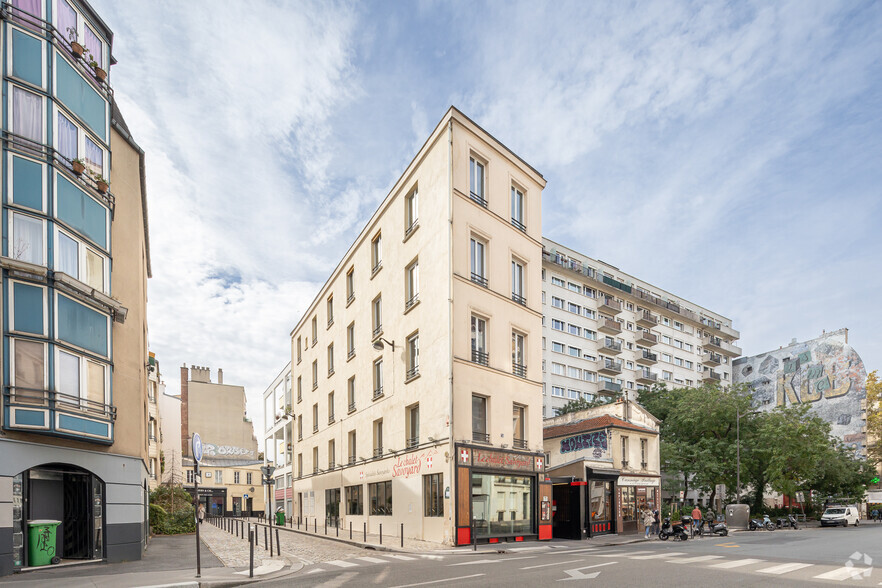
<point>875,480</point>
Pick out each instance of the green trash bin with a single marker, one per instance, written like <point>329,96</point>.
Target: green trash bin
<point>41,542</point>
<point>280,518</point>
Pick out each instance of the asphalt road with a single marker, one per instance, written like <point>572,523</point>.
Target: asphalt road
<point>758,558</point>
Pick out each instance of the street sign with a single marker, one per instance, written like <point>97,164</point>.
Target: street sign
<point>244,496</point>
<point>197,447</point>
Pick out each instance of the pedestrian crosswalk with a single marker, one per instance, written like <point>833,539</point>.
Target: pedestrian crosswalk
<point>385,558</point>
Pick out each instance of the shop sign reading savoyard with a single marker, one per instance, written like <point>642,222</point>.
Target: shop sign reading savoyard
<point>405,466</point>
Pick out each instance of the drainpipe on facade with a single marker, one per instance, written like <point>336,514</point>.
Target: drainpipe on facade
<point>451,441</point>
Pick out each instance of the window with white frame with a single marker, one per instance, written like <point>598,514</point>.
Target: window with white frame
<point>558,347</point>
<point>412,284</point>
<point>411,210</point>
<point>350,284</point>
<point>28,239</point>
<point>476,181</point>
<point>80,261</point>
<point>557,325</point>
<point>28,117</point>
<point>558,391</point>
<point>558,369</point>
<point>575,330</point>
<point>557,302</point>
<point>377,315</point>
<point>555,281</point>
<point>477,252</point>
<point>378,378</point>
<point>350,340</point>
<point>574,372</point>
<point>479,339</point>
<point>350,393</point>
<point>517,282</point>
<point>518,354</point>
<point>78,378</point>
<point>413,356</point>
<point>575,352</point>
<point>330,306</point>
<point>574,308</point>
<point>330,359</point>
<point>29,370</point>
<point>377,252</point>
<point>517,208</point>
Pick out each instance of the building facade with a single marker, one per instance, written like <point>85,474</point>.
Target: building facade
<point>606,333</point>
<point>74,406</point>
<point>278,448</point>
<point>155,391</point>
<point>826,373</point>
<point>171,465</point>
<point>416,385</point>
<point>604,463</point>
<point>228,487</point>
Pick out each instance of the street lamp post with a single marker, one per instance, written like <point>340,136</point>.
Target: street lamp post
<point>738,416</point>
<point>267,471</point>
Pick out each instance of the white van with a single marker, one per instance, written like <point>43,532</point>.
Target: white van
<point>840,515</point>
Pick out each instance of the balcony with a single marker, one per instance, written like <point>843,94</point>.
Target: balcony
<point>724,347</point>
<point>378,393</point>
<point>711,376</point>
<point>331,419</point>
<point>478,198</point>
<point>519,299</point>
<point>479,280</point>
<point>647,320</point>
<point>647,358</point>
<point>712,359</point>
<point>646,377</point>
<point>607,388</point>
<point>519,370</point>
<point>609,305</point>
<point>351,407</point>
<point>610,367</point>
<point>518,225</point>
<point>520,443</point>
<point>608,326</point>
<point>646,338</point>
<point>352,460</point>
<point>378,452</point>
<point>610,346</point>
<point>480,437</point>
<point>480,357</point>
<point>714,327</point>
<point>53,413</point>
<point>412,373</point>
<point>413,442</point>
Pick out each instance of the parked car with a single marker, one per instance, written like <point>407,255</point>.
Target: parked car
<point>840,515</point>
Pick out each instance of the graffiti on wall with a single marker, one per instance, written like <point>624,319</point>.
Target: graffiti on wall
<point>825,373</point>
<point>595,442</point>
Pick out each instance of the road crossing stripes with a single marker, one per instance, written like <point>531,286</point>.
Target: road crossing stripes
<point>727,565</point>
<point>687,560</point>
<point>841,573</point>
<point>653,556</point>
<point>784,568</point>
<point>372,559</point>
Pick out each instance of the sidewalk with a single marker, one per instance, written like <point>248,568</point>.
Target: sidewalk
<point>168,561</point>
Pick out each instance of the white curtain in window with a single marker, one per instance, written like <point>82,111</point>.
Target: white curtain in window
<point>94,157</point>
<point>28,371</point>
<point>94,270</point>
<point>27,241</point>
<point>67,138</point>
<point>34,7</point>
<point>96,381</point>
<point>67,256</point>
<point>67,376</point>
<point>27,114</point>
<point>65,19</point>
<point>93,44</point>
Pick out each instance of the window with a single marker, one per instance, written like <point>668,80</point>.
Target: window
<point>558,369</point>
<point>377,316</point>
<point>517,282</point>
<point>667,375</point>
<point>315,374</point>
<point>332,454</point>
<point>378,378</point>
<point>314,329</point>
<point>433,495</point>
<point>575,351</point>
<point>575,330</point>
<point>411,211</point>
<point>191,477</point>
<point>353,451</point>
<point>378,438</point>
<point>315,418</point>
<point>624,451</point>
<point>330,407</point>
<point>558,347</point>
<point>27,115</point>
<point>518,426</point>
<point>66,138</point>
<point>479,419</point>
<point>94,157</point>
<point>350,285</point>
<point>573,394</point>
<point>574,372</point>
<point>330,360</point>
<point>350,341</point>
<point>557,325</point>
<point>218,477</point>
<point>354,500</point>
<point>479,341</point>
<point>476,181</point>
<point>557,281</point>
<point>29,373</point>
<point>643,453</point>
<point>299,350</point>
<point>28,236</point>
<point>588,313</point>
<point>350,393</point>
<point>299,388</point>
<point>413,425</point>
<point>380,495</point>
<point>557,391</point>
<point>517,208</point>
<point>518,361</point>
<point>93,45</point>
<point>411,284</point>
<point>574,287</point>
<point>574,308</point>
<point>477,259</point>
<point>235,477</point>
<point>79,379</point>
<point>300,427</point>
<point>330,305</point>
<point>557,302</point>
<point>666,339</point>
<point>315,460</point>
<point>248,478</point>
<point>376,253</point>
<point>413,356</point>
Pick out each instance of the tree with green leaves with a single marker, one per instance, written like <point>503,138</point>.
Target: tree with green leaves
<point>582,404</point>
<point>874,418</point>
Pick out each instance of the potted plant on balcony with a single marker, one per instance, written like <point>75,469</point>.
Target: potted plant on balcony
<point>75,47</point>
<point>78,166</point>
<point>100,74</point>
<point>100,183</point>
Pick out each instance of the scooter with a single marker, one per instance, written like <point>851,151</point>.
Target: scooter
<point>766,523</point>
<point>713,528</point>
<point>789,521</point>
<point>677,531</point>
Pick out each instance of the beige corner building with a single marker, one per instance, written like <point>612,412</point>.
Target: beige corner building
<point>416,371</point>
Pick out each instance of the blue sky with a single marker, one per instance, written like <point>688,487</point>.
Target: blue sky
<point>728,152</point>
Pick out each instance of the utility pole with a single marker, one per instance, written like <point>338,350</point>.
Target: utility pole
<point>738,416</point>
<point>197,457</point>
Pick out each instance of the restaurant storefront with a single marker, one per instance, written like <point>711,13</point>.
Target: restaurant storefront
<point>636,494</point>
<point>501,496</point>
<point>213,499</point>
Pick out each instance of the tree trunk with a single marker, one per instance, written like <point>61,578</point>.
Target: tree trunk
<point>713,496</point>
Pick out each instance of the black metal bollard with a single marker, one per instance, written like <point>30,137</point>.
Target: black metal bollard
<point>381,533</point>
<point>337,524</point>
<point>265,545</point>
<point>402,534</point>
<point>365,532</point>
<point>278,543</point>
<point>250,551</point>
<point>350,530</point>
<point>326,526</point>
<point>237,528</point>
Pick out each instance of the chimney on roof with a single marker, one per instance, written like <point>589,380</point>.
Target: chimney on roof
<point>220,376</point>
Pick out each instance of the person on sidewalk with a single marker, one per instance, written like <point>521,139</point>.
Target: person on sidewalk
<point>656,520</point>
<point>696,518</point>
<point>648,522</point>
<point>201,513</point>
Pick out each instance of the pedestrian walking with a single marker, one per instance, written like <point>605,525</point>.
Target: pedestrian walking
<point>648,521</point>
<point>201,513</point>
<point>696,518</point>
<point>875,514</point>
<point>656,520</point>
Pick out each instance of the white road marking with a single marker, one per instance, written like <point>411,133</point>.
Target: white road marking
<point>542,548</point>
<point>621,554</point>
<point>582,550</point>
<point>315,571</point>
<point>578,574</point>
<point>654,556</point>
<point>478,561</point>
<point>401,557</point>
<point>699,558</point>
<point>372,559</point>
<point>342,563</point>
<point>737,563</point>
<point>784,568</point>
<point>432,557</point>
<point>841,573</point>
<point>339,580</point>
<point>439,581</point>
<point>557,563</point>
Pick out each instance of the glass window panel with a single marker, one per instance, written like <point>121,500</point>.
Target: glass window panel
<point>502,505</point>
<point>67,376</point>
<point>94,157</point>
<point>95,382</point>
<point>78,95</point>
<point>28,312</point>
<point>27,58</point>
<point>66,142</point>
<point>65,20</point>
<point>27,114</point>
<point>67,256</point>
<point>27,183</point>
<point>29,370</point>
<point>93,45</point>
<point>82,326</point>
<point>27,243</point>
<point>81,212</point>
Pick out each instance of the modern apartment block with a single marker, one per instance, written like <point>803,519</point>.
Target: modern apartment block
<point>74,435</point>
<point>155,390</point>
<point>607,333</point>
<point>279,440</point>
<point>416,377</point>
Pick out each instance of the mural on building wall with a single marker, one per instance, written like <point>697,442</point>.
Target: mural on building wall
<point>825,373</point>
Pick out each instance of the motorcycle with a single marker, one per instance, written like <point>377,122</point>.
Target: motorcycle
<point>713,528</point>
<point>677,531</point>
<point>766,523</point>
<point>789,521</point>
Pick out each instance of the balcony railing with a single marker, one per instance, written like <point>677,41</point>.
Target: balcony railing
<point>58,414</point>
<point>377,267</point>
<point>330,322</point>
<point>378,452</point>
<point>609,326</point>
<point>646,338</point>
<point>608,345</point>
<point>647,377</point>
<point>378,330</point>
<point>331,418</point>
<point>352,459</point>
<point>350,354</point>
<point>604,386</point>
<point>519,299</point>
<point>610,366</point>
<point>330,371</point>
<point>411,301</point>
<point>518,225</point>
<point>647,319</point>
<point>478,198</point>
<point>352,407</point>
<point>315,428</point>
<point>711,358</point>
<point>520,443</point>
<point>647,358</point>
<point>519,369</point>
<point>610,305</point>
<point>332,464</point>
<point>480,357</point>
<point>480,437</point>
<point>350,298</point>
<point>413,442</point>
<point>378,393</point>
<point>717,344</point>
<point>412,372</point>
<point>479,280</point>
<point>711,376</point>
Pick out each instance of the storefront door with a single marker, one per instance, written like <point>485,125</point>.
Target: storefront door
<point>502,505</point>
<point>237,506</point>
<point>601,508</point>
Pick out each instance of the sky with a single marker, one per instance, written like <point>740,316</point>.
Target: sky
<point>728,152</point>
